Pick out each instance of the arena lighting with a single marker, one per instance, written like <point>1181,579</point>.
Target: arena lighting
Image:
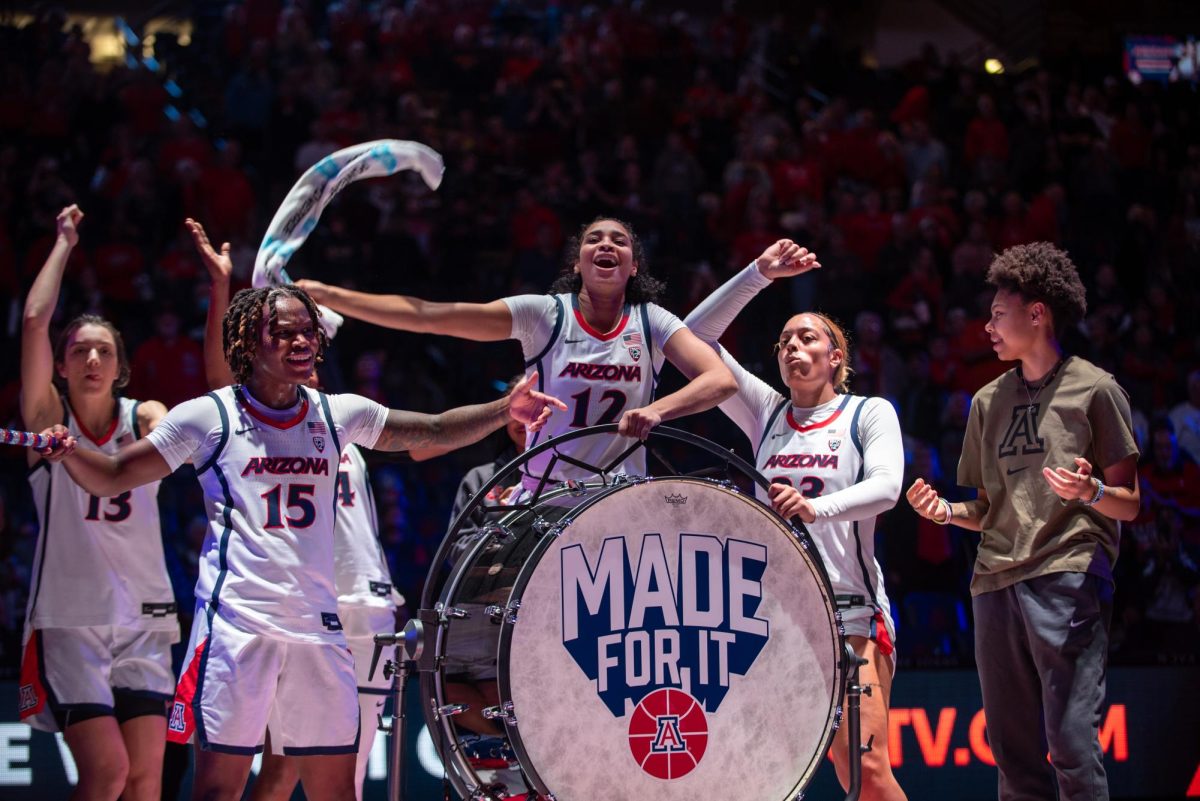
<point>993,66</point>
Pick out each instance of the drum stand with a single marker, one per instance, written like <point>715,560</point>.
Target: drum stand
<point>412,656</point>
<point>854,693</point>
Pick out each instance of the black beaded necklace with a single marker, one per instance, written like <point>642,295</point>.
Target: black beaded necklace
<point>1033,396</point>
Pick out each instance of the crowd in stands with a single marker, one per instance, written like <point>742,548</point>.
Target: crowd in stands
<point>713,134</point>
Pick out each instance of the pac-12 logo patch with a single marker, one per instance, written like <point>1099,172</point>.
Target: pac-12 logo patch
<point>668,733</point>
<point>633,344</point>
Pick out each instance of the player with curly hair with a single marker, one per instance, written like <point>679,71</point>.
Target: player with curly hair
<point>1043,583</point>
<point>599,338</point>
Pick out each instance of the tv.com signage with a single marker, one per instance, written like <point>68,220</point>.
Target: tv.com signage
<point>1150,733</point>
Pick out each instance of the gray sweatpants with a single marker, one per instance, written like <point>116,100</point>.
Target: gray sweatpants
<point>1041,646</point>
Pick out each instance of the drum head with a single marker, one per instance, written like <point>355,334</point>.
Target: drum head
<point>675,639</point>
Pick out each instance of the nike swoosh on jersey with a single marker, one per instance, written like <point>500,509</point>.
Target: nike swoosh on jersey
<point>1012,470</point>
<point>244,430</point>
<point>572,341</point>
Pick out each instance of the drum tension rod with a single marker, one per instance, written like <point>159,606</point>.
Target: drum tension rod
<point>500,614</point>
<point>503,712</point>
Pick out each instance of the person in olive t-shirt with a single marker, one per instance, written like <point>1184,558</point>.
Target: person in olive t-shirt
<point>1050,449</point>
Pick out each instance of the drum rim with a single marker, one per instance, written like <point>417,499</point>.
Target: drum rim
<point>812,558</point>
<point>731,460</point>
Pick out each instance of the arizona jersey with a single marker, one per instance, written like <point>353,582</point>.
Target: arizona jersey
<point>846,456</point>
<point>361,573</point>
<point>599,375</point>
<point>270,488</point>
<point>823,453</point>
<point>99,561</point>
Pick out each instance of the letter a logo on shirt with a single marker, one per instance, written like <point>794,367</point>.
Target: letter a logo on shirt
<point>1022,434</point>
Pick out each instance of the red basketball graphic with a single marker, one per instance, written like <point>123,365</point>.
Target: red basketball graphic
<point>668,733</point>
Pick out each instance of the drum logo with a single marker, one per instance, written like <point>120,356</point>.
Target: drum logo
<point>664,640</point>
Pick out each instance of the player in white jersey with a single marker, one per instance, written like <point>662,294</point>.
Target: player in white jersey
<point>834,460</point>
<point>600,342</point>
<point>366,598</point>
<point>101,617</point>
<point>267,646</point>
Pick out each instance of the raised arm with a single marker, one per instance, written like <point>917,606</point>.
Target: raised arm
<point>481,322</point>
<point>39,397</point>
<point>103,475</point>
<point>467,424</point>
<point>220,270</point>
<point>783,259</point>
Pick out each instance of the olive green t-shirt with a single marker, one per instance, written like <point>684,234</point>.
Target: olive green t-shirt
<point>1028,531</point>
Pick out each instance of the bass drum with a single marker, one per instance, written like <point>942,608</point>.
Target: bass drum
<point>668,638</point>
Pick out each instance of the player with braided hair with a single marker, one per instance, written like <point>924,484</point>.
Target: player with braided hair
<point>366,598</point>
<point>1043,581</point>
<point>267,646</point>
<point>244,318</point>
<point>101,616</point>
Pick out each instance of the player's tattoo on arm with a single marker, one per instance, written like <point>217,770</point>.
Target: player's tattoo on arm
<point>454,428</point>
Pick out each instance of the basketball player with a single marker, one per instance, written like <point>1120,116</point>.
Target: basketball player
<point>600,340</point>
<point>1043,583</point>
<point>268,646</point>
<point>366,598</point>
<point>836,461</point>
<point>101,616</point>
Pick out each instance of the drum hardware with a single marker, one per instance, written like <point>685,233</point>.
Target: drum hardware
<point>413,655</point>
<point>541,525</point>
<point>503,712</point>
<point>454,613</point>
<point>498,531</point>
<point>450,710</point>
<point>854,693</point>
<point>499,614</point>
<point>576,488</point>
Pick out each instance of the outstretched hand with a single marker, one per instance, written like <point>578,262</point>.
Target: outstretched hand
<point>1072,485</point>
<point>785,259</point>
<point>219,265</point>
<point>68,224</point>
<point>527,405</point>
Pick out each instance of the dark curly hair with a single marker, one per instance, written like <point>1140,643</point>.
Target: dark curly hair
<point>1041,272</point>
<point>60,349</point>
<point>642,288</point>
<point>242,325</point>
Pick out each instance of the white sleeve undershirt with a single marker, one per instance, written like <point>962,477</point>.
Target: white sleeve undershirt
<point>883,468</point>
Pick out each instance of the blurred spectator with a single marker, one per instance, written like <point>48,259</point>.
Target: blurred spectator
<point>1185,417</point>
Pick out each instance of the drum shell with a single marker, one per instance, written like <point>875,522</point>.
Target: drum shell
<point>803,678</point>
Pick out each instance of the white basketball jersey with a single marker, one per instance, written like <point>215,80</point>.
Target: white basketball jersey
<point>360,567</point>
<point>599,376</point>
<point>818,457</point>
<point>271,492</point>
<point>99,561</point>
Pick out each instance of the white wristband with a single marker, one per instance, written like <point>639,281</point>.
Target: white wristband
<point>949,514</point>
